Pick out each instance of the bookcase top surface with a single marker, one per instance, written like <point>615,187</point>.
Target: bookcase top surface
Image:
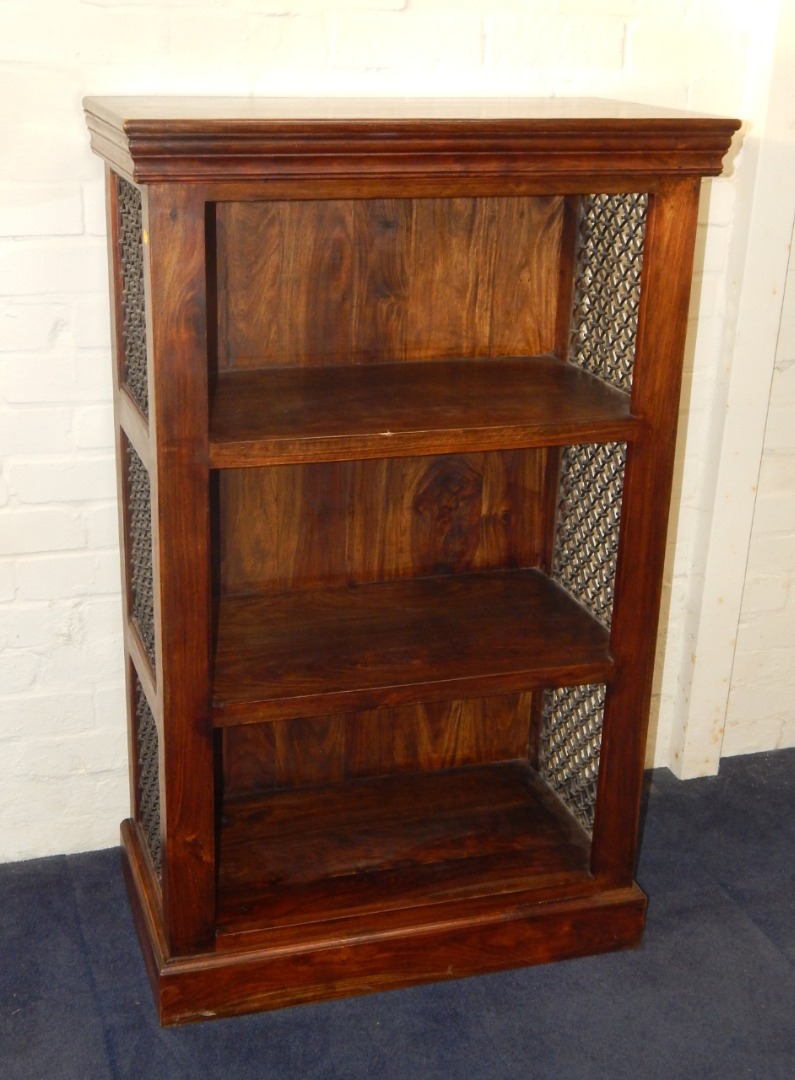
<point>207,111</point>
<point>248,138</point>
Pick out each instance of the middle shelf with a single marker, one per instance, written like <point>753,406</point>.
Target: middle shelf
<point>279,415</point>
<point>308,652</point>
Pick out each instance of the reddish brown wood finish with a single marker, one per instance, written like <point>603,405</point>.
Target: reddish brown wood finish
<point>383,520</point>
<point>305,653</point>
<point>670,239</point>
<point>333,414</point>
<point>369,281</point>
<point>509,927</point>
<point>374,742</point>
<point>358,319</point>
<point>500,143</point>
<point>370,846</point>
<point>174,225</point>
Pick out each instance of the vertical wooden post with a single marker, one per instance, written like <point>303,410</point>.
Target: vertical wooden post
<point>662,327</point>
<point>174,239</point>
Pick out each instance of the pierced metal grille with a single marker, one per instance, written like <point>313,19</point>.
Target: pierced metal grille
<point>571,739</point>
<point>133,306</point>
<point>148,810</point>
<point>604,325</point>
<point>139,549</point>
<point>589,514</point>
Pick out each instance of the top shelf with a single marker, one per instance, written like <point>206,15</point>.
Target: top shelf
<point>289,415</point>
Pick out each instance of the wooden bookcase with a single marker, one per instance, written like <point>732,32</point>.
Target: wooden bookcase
<point>396,388</point>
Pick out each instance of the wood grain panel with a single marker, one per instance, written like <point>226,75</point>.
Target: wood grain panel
<point>385,519</point>
<point>313,652</point>
<point>383,229</point>
<point>375,742</point>
<point>174,221</point>
<point>284,281</point>
<point>342,281</point>
<point>293,838</point>
<point>525,283</point>
<point>452,259</point>
<point>285,416</point>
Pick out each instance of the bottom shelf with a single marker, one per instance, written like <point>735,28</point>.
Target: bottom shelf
<point>377,884</point>
<point>356,851</point>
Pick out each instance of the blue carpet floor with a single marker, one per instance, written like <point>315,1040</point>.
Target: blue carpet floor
<point>710,994</point>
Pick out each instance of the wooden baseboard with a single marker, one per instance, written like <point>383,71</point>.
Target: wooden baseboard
<point>468,937</point>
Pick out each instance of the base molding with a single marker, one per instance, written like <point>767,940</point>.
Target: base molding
<point>434,943</point>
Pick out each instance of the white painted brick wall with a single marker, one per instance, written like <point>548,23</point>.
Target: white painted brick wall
<point>761,711</point>
<point>63,784</point>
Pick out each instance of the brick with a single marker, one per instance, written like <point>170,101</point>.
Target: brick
<point>583,44</point>
<point>46,714</point>
<point>772,550</point>
<point>60,756</point>
<point>767,732</point>
<point>32,91</point>
<point>767,631</point>
<point>284,41</point>
<point>92,321</point>
<point>95,374</point>
<point>40,210</point>
<point>76,34</point>
<point>32,325</point>
<point>8,583</point>
<point>520,8</point>
<point>101,618</point>
<point>94,427</point>
<point>94,208</point>
<point>712,245</point>
<point>46,152</point>
<point>718,200</point>
<point>251,42</point>
<point>18,670</point>
<point>701,49</point>
<point>764,593</point>
<point>36,530</point>
<point>93,650</point>
<point>785,350</point>
<point>58,481</point>
<point>110,707</point>
<point>40,380</point>
<point>26,626</point>
<point>406,41</point>
<point>35,431</point>
<point>721,96</point>
<point>29,808</point>
<point>61,577</point>
<point>321,7</point>
<point>620,8</point>
<point>41,267</point>
<point>777,475</point>
<point>763,671</point>
<point>102,526</point>
<point>775,513</point>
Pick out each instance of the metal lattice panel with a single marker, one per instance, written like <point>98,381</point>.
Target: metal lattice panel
<point>133,305</point>
<point>571,739</point>
<point>139,550</point>
<point>604,327</point>
<point>606,303</point>
<point>148,775</point>
<point>588,518</point>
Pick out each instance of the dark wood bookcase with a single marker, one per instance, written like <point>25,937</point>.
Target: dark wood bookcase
<point>396,388</point>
